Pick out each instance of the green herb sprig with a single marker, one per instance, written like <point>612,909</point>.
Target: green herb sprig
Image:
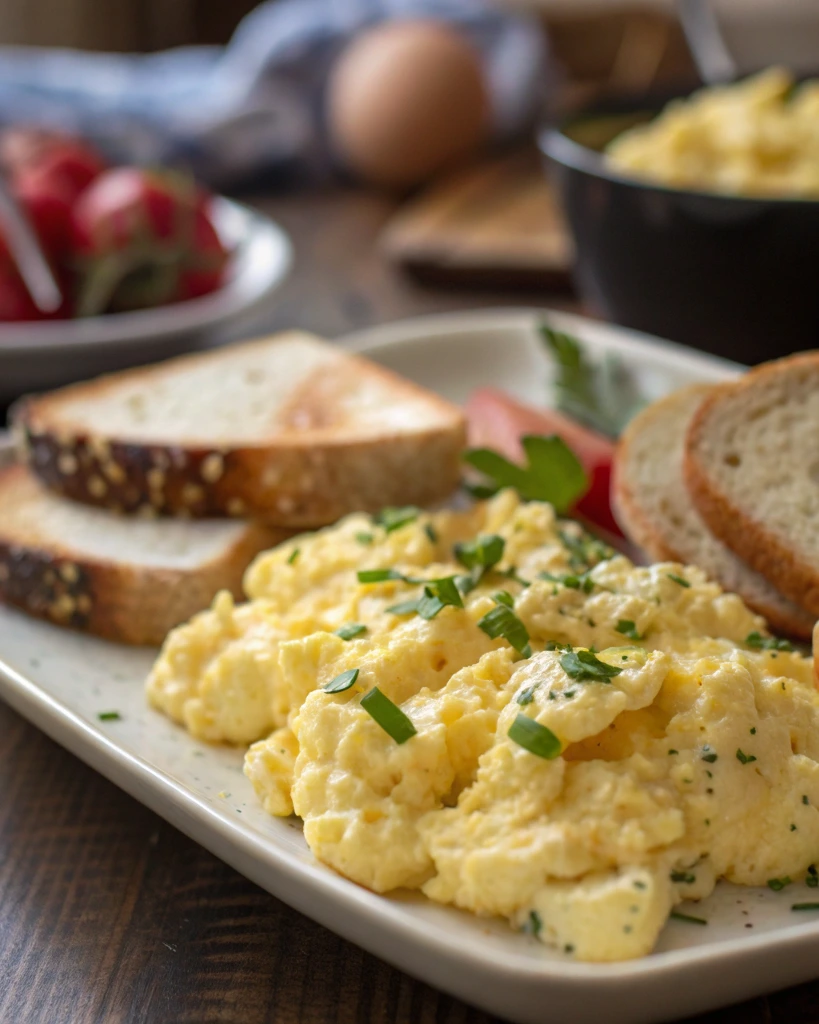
<point>552,472</point>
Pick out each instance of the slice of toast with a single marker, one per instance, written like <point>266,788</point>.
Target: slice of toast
<point>658,513</point>
<point>129,580</point>
<point>752,467</point>
<point>287,429</point>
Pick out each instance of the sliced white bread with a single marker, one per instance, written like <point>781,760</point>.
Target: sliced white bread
<point>654,507</point>
<point>130,580</point>
<point>287,429</point>
<point>752,467</point>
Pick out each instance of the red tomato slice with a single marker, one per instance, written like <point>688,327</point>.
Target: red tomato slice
<point>498,421</point>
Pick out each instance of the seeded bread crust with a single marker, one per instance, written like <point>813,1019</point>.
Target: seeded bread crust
<point>746,533</point>
<point>129,604</point>
<point>317,467</point>
<point>651,503</point>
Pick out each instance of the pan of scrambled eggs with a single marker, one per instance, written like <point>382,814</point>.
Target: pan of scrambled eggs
<point>493,707</point>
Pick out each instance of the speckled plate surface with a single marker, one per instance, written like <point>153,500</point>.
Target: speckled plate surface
<point>63,682</point>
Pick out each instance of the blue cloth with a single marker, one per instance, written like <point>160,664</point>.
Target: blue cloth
<point>234,113</point>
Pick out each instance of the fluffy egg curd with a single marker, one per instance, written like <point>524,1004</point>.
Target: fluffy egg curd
<point>494,708</point>
<point>759,137</point>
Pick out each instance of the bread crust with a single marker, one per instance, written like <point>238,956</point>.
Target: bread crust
<point>310,475</point>
<point>658,545</point>
<point>128,604</point>
<point>748,537</point>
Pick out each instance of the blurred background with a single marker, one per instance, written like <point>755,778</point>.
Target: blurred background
<point>424,130</point>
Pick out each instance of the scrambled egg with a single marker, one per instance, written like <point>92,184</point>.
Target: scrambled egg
<point>759,137</point>
<point>551,734</point>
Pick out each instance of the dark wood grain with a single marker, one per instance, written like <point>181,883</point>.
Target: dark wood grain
<point>107,913</point>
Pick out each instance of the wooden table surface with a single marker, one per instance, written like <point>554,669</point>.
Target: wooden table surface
<point>109,914</point>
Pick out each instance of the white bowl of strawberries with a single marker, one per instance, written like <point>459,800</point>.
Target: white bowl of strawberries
<point>146,259</point>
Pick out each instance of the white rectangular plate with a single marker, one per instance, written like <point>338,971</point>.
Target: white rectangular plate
<point>62,681</point>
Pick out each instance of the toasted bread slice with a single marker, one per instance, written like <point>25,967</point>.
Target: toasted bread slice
<point>287,429</point>
<point>130,580</point>
<point>751,465</point>
<point>656,510</point>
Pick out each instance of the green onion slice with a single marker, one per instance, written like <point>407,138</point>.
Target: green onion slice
<point>342,682</point>
<point>534,737</point>
<point>350,630</point>
<point>502,622</point>
<point>388,715</point>
<point>481,553</point>
<point>394,518</point>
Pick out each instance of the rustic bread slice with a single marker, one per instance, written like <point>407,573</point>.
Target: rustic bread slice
<point>287,429</point>
<point>658,513</point>
<point>130,580</point>
<point>751,465</point>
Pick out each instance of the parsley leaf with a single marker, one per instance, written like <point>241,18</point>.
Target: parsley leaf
<point>744,758</point>
<point>552,472</point>
<point>604,395</point>
<point>583,665</point>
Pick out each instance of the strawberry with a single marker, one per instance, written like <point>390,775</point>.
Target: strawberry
<point>51,161</point>
<point>143,238</point>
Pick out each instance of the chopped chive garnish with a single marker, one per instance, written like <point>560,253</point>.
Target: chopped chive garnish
<point>294,554</point>
<point>572,581</point>
<point>404,608</point>
<point>394,518</point>
<point>709,755</point>
<point>753,731</point>
<point>481,553</point>
<point>350,630</point>
<point>767,643</point>
<point>583,665</point>
<point>466,584</point>
<point>805,906</point>
<point>805,801</point>
<point>744,758</point>
<point>342,682</point>
<point>678,579</point>
<point>681,876</point>
<point>378,575</point>
<point>584,551</point>
<point>109,716</point>
<point>793,827</point>
<point>364,538</point>
<point>437,594</point>
<point>528,695</point>
<point>504,597</point>
<point>533,924</point>
<point>552,472</point>
<point>675,915</point>
<point>388,715</point>
<point>534,737</point>
<point>627,628</point>
<point>502,622</point>
<point>672,751</point>
<point>778,884</point>
<point>431,532</point>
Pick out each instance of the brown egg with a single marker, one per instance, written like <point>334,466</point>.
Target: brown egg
<point>404,100</point>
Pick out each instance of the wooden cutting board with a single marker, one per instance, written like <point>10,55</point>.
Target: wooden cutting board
<point>495,223</point>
